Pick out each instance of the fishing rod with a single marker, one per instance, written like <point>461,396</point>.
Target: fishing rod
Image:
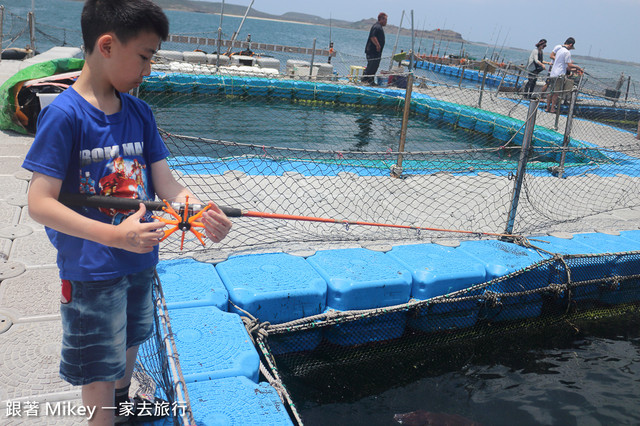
<point>395,46</point>
<point>187,215</point>
<point>235,34</point>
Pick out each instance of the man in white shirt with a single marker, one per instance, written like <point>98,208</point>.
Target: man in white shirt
<point>562,65</point>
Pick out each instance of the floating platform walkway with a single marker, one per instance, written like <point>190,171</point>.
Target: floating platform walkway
<point>221,365</point>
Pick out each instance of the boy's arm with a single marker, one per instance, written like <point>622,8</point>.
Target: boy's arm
<point>217,224</point>
<point>131,234</point>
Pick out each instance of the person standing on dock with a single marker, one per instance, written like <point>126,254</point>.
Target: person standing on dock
<point>373,49</point>
<point>561,64</point>
<point>535,65</point>
<point>89,140</point>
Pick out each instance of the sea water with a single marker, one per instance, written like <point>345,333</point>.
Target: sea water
<point>591,379</point>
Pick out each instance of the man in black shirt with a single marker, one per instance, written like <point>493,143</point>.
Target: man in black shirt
<point>373,49</point>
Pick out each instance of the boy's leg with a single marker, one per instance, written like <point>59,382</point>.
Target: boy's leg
<point>99,395</point>
<point>132,354</point>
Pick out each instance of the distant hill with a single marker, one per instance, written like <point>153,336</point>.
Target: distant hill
<point>238,10</point>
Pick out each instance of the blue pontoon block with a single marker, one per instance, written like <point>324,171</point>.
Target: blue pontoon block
<point>437,270</point>
<point>436,109</point>
<point>509,299</point>
<point>361,279</point>
<point>580,270</point>
<point>504,128</point>
<point>500,258</point>
<point>631,235</point>
<point>295,341</point>
<point>283,88</point>
<point>623,264</point>
<point>186,282</point>
<point>349,94</point>
<point>377,328</point>
<point>258,86</point>
<point>484,122</point>
<point>274,287</point>
<point>451,113</point>
<point>210,84</point>
<point>213,344</point>
<point>327,92</point>
<point>467,118</point>
<point>236,401</point>
<point>446,314</point>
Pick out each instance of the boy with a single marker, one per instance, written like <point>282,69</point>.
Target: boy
<point>95,138</point>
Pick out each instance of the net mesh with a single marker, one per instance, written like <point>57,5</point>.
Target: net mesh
<point>341,357</point>
<point>157,370</point>
<point>445,166</point>
<point>327,148</point>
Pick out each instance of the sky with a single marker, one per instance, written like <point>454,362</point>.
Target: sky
<point>602,28</point>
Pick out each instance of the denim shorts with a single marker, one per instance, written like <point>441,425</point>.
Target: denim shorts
<point>100,321</point>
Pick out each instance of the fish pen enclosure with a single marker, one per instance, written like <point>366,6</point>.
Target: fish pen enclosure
<point>435,165</point>
<point>448,212</point>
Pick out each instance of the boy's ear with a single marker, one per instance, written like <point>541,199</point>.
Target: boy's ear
<point>104,44</point>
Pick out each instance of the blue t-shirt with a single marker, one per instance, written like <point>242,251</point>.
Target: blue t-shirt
<point>95,153</point>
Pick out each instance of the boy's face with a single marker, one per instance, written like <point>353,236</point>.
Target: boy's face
<point>131,61</point>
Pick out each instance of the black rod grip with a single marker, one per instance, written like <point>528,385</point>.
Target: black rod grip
<point>87,200</point>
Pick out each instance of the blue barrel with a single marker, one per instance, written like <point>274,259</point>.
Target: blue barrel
<point>436,109</point>
<point>304,90</point>
<point>258,86</point>
<point>467,118</point>
<point>484,122</point>
<point>210,84</point>
<point>451,113</point>
<point>283,88</point>
<point>327,92</point>
<point>504,128</point>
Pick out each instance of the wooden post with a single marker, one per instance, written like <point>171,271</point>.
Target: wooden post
<point>396,171</point>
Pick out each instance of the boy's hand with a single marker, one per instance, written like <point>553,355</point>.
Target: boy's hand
<point>136,236</point>
<point>216,223</point>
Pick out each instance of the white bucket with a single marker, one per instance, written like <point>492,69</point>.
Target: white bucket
<point>46,98</point>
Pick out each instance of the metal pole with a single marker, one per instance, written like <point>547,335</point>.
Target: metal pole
<point>395,46</point>
<point>559,170</point>
<point>396,171</point>
<point>31,18</point>
<point>559,104</point>
<point>313,55</point>
<point>484,79</point>
<point>235,34</point>
<point>461,75</point>
<point>219,42</point>
<point>522,163</point>
<point>626,96</point>
<point>412,43</point>
<point>219,37</point>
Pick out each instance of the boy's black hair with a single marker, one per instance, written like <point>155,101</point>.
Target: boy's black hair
<point>125,18</point>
